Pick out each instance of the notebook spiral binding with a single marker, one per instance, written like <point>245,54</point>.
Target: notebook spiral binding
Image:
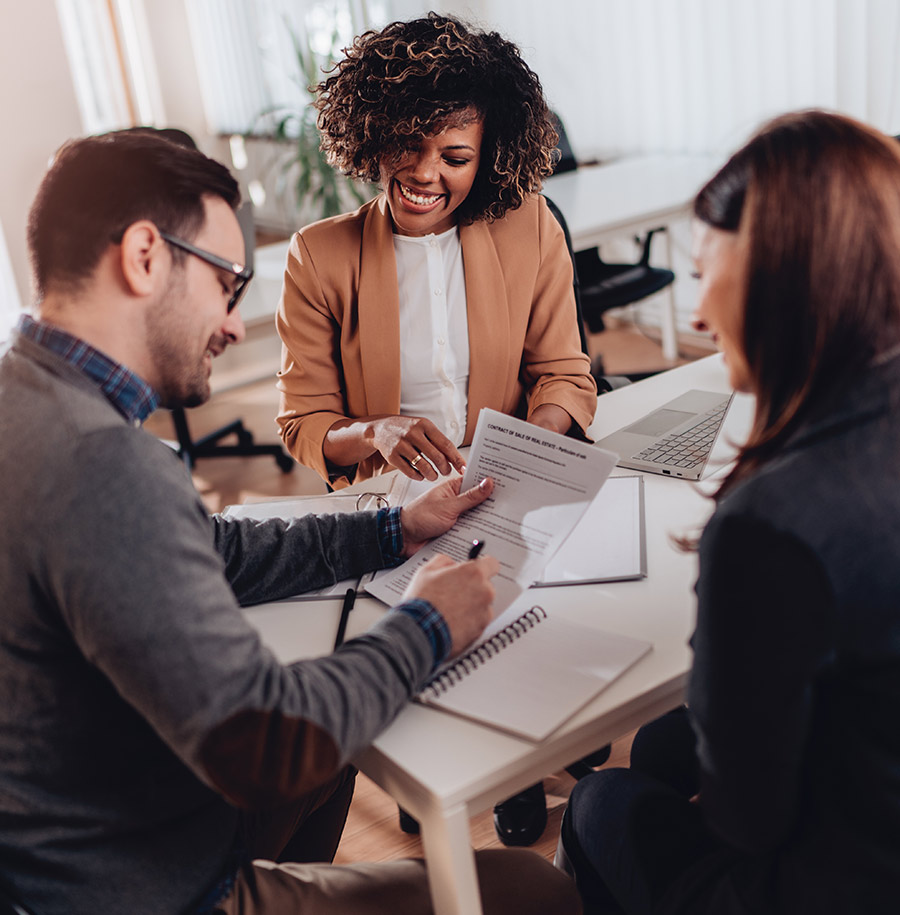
<point>484,651</point>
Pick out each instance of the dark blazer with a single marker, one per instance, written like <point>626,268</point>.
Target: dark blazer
<point>795,689</point>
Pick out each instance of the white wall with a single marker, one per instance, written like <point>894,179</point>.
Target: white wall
<point>39,113</point>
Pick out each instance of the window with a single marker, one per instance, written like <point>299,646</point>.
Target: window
<point>633,76</point>
<point>112,65</point>
<point>246,59</point>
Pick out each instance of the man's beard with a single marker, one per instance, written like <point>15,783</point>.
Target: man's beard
<point>183,382</point>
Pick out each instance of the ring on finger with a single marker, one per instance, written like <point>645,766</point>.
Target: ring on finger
<point>416,459</point>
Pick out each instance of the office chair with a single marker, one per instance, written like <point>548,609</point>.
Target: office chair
<point>606,285</point>
<point>209,446</point>
<point>557,212</point>
<point>604,382</point>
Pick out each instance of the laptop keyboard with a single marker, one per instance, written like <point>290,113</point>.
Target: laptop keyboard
<point>689,447</point>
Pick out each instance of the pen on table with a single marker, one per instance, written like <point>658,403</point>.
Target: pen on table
<point>475,549</point>
<point>346,607</point>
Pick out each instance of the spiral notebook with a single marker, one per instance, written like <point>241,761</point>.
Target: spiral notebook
<point>532,674</point>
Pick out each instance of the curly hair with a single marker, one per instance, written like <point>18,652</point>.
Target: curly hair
<point>411,80</point>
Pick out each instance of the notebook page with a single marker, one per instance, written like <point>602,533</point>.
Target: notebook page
<point>540,679</point>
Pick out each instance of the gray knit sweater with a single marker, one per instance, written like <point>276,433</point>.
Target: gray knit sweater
<point>134,697</point>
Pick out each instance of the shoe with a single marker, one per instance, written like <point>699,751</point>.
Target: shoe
<point>587,764</point>
<point>521,820</point>
<point>598,757</point>
<point>408,823</point>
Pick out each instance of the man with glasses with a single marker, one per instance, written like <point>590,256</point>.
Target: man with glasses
<point>150,746</point>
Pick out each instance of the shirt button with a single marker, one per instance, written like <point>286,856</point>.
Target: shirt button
<point>448,384</point>
<point>454,424</point>
<point>438,291</point>
<point>440,341</point>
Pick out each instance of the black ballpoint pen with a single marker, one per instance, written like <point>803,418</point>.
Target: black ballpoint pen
<point>346,607</point>
<point>475,549</point>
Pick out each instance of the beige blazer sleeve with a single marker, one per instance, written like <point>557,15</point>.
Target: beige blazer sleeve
<point>339,324</point>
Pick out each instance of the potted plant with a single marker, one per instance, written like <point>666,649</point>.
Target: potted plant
<point>319,190</point>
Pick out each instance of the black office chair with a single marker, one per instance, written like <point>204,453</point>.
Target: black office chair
<point>555,210</point>
<point>606,285</point>
<point>209,446</point>
<point>604,382</point>
<point>191,449</point>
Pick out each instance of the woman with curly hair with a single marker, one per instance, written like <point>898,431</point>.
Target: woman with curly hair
<point>451,290</point>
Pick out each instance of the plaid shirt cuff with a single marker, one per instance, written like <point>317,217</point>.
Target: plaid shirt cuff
<point>431,623</point>
<point>390,536</point>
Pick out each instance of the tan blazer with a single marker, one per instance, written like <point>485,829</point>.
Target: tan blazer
<point>339,324</point>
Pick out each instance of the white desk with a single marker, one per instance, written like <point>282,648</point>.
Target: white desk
<point>444,769</point>
<point>630,197</point>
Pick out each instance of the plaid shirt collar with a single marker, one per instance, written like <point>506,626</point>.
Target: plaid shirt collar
<point>129,394</point>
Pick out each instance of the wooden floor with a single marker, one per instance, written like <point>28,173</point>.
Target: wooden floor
<point>372,832</point>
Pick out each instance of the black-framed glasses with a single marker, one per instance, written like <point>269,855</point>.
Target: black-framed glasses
<point>242,275</point>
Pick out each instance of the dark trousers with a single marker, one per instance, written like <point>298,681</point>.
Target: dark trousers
<point>631,833</point>
<point>307,830</point>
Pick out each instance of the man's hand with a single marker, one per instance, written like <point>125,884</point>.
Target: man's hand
<point>436,511</point>
<point>462,593</point>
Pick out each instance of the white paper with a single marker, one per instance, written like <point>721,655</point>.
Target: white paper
<point>292,507</point>
<point>608,543</point>
<point>543,484</point>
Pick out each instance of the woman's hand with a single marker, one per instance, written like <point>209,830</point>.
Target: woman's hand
<point>412,444</point>
<point>434,512</point>
<point>416,447</point>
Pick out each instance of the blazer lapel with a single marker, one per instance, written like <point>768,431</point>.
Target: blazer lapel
<point>379,313</point>
<point>488,314</point>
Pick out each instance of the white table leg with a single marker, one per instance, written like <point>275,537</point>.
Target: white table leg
<point>668,313</point>
<point>451,863</point>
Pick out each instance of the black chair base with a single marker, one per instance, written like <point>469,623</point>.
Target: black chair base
<point>209,446</point>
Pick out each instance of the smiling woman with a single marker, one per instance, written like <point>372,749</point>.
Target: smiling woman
<point>452,290</point>
<point>425,188</point>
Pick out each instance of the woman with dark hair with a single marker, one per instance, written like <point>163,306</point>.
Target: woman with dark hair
<point>777,789</point>
<point>451,290</point>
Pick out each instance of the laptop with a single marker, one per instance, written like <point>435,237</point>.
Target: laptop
<point>676,439</point>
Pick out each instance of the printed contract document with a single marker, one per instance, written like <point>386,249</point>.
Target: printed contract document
<point>543,484</point>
